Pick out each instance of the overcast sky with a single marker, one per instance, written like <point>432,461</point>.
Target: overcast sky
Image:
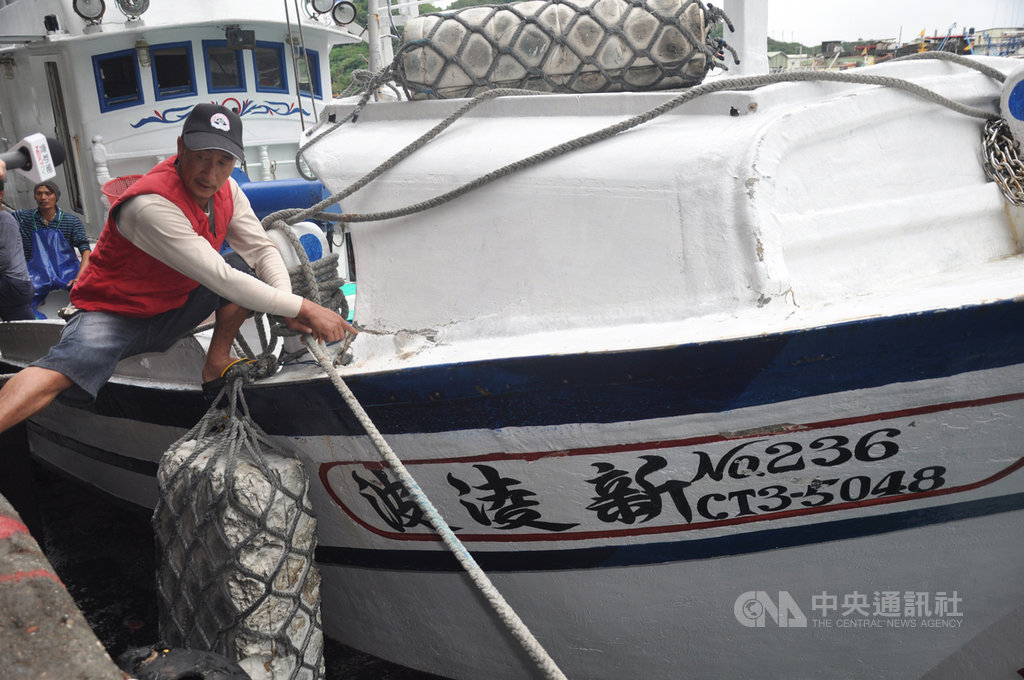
<point>812,21</point>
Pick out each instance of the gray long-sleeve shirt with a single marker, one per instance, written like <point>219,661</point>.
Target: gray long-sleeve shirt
<point>160,229</point>
<point>12,255</point>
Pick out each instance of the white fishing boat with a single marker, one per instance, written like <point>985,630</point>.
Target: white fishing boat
<point>732,391</point>
<point>113,81</point>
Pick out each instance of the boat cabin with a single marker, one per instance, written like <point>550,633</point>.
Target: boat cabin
<point>114,80</point>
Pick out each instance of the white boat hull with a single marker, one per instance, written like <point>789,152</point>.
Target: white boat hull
<point>901,501</point>
<point>787,445</point>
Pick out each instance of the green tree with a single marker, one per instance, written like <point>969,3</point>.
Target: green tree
<point>344,60</point>
<point>791,47</point>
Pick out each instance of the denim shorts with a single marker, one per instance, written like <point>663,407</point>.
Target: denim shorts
<point>93,342</point>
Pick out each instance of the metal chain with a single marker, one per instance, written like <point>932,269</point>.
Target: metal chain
<point>1003,164</point>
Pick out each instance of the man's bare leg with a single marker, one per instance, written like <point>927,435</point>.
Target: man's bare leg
<point>228,320</point>
<point>29,392</point>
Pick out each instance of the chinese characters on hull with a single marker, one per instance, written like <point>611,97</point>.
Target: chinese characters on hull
<point>662,487</point>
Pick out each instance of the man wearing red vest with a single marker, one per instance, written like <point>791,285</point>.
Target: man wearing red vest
<point>156,273</point>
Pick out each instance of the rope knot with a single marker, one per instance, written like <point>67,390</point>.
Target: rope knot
<point>242,372</point>
<point>248,371</point>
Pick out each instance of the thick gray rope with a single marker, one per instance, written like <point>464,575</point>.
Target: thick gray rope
<point>960,59</point>
<point>316,211</point>
<point>505,612</point>
<point>731,84</point>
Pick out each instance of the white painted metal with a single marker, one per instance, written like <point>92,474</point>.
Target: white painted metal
<point>787,209</point>
<point>750,20</point>
<point>652,619</point>
<point>817,196</point>
<point>1012,104</point>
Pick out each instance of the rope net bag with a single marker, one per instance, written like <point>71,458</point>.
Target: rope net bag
<point>235,534</point>
<point>559,46</point>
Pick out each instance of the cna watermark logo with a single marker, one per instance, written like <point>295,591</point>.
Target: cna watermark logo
<point>880,609</point>
<point>755,608</point>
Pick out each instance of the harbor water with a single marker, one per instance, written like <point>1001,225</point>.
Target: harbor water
<point>104,553</point>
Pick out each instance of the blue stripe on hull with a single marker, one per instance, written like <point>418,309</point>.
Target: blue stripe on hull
<point>623,386</point>
<point>671,551</point>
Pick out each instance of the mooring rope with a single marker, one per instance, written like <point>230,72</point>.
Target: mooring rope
<point>282,219</point>
<point>960,59</point>
<point>743,83</point>
<point>505,612</point>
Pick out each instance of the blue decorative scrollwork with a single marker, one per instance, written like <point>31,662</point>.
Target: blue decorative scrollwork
<point>168,117</point>
<point>245,108</point>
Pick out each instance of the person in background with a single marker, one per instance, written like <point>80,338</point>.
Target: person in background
<point>157,273</point>
<point>15,284</point>
<point>50,237</point>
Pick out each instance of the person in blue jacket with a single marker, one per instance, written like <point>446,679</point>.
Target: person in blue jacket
<point>49,237</point>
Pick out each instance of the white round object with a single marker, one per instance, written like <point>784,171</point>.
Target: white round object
<point>91,10</point>
<point>343,13</point>
<point>1011,104</point>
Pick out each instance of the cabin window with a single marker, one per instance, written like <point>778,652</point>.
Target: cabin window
<point>268,59</point>
<point>225,69</point>
<point>117,80</point>
<point>313,59</point>
<point>173,70</point>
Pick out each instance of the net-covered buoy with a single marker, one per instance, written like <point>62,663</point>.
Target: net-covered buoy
<point>235,533</point>
<point>557,46</point>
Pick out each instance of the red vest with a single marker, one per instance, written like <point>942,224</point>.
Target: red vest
<point>123,279</point>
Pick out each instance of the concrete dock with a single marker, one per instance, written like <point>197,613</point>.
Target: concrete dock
<point>43,634</point>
